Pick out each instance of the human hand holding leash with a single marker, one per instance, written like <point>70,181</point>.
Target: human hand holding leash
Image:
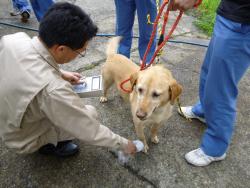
<point>182,5</point>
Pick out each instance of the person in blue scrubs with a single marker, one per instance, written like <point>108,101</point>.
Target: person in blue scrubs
<point>125,16</point>
<point>40,7</point>
<point>226,61</point>
<point>22,7</point>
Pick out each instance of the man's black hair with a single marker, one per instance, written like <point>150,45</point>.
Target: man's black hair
<point>66,24</point>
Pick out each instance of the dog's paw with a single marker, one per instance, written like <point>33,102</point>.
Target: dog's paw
<point>145,149</point>
<point>155,139</point>
<point>103,99</point>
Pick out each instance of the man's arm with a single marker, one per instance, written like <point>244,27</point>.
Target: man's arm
<point>67,111</point>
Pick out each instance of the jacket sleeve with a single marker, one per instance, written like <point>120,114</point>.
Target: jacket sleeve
<point>66,110</point>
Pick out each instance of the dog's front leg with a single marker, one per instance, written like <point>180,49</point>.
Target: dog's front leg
<point>154,131</point>
<point>139,129</point>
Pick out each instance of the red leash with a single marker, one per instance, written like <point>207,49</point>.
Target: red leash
<point>162,40</point>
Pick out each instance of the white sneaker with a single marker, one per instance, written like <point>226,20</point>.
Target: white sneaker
<point>199,158</point>
<point>15,12</point>
<point>187,111</point>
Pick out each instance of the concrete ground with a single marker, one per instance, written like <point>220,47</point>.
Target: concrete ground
<point>164,166</point>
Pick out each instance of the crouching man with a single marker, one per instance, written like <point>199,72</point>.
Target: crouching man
<point>38,109</point>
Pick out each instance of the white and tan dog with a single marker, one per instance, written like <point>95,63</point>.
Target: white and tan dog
<point>153,95</point>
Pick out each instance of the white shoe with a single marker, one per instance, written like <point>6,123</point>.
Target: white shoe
<point>187,111</point>
<point>199,158</point>
<point>15,12</point>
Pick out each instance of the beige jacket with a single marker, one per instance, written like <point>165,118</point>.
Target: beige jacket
<point>36,105</point>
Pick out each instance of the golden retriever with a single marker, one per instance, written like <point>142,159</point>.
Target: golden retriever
<point>154,90</point>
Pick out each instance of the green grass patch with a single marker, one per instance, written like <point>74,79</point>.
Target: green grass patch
<point>205,14</point>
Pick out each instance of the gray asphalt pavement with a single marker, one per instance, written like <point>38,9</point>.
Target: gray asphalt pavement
<point>164,166</point>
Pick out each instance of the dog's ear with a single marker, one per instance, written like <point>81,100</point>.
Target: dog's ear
<point>175,90</point>
<point>133,79</point>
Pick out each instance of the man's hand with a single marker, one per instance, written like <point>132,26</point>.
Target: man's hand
<point>72,77</point>
<point>130,148</point>
<point>182,4</point>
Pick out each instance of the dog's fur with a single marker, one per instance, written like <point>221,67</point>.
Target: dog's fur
<point>154,90</point>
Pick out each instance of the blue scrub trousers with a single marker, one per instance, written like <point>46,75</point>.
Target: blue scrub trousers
<point>226,61</point>
<point>40,7</point>
<point>125,15</point>
<point>21,5</point>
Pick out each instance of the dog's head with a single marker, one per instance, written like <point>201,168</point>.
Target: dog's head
<point>153,88</point>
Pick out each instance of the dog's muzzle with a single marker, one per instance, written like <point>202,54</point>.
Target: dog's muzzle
<point>141,115</point>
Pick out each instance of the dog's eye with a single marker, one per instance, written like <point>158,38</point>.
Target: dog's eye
<point>140,90</point>
<point>155,95</point>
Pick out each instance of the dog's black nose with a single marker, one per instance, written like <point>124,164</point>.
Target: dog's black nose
<point>141,115</point>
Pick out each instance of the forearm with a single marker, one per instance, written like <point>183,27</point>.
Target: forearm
<point>67,111</point>
<point>105,137</point>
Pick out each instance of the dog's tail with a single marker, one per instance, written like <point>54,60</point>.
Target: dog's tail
<point>113,45</point>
